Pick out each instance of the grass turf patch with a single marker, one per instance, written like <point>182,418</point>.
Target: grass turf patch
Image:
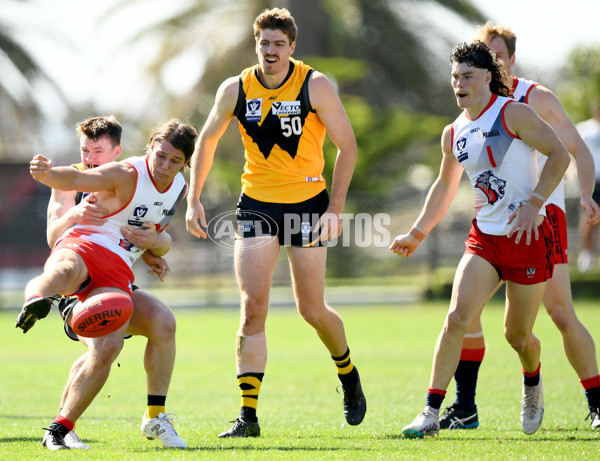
<point>299,410</point>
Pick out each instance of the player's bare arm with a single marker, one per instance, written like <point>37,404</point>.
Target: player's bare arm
<point>118,178</point>
<point>206,146</point>
<point>438,200</point>
<point>64,213</point>
<point>330,110</point>
<point>523,121</point>
<point>549,108</point>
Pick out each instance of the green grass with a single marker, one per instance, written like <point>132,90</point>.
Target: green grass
<point>299,409</point>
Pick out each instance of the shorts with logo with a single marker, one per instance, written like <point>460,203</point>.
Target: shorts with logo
<point>105,268</point>
<point>519,263</point>
<point>292,223</point>
<point>558,222</point>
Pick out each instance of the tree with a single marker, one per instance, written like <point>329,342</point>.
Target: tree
<point>20,80</point>
<point>580,91</point>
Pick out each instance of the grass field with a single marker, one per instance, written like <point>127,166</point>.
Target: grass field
<point>299,410</point>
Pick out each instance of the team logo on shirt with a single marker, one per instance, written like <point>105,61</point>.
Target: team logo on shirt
<point>461,146</point>
<point>491,186</point>
<point>253,109</point>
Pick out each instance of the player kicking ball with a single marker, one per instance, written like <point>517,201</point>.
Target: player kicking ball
<point>94,261</point>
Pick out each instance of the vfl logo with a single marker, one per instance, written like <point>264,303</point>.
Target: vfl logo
<point>138,215</point>
<point>491,186</point>
<point>140,211</point>
<point>461,145</point>
<point>253,109</point>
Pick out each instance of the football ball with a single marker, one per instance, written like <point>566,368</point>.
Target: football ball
<point>101,314</point>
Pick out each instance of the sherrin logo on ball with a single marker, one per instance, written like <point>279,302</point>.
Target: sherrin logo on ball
<point>101,314</point>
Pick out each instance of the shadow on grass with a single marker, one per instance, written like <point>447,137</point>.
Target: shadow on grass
<point>556,435</point>
<point>21,439</point>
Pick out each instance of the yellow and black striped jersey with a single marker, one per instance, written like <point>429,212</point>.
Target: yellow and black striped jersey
<point>282,136</point>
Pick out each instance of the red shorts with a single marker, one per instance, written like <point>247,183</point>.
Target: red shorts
<point>558,222</point>
<point>519,263</point>
<point>105,268</point>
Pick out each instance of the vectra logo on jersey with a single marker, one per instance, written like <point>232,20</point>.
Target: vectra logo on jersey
<point>286,108</point>
<point>491,186</point>
<point>461,145</point>
<point>253,109</point>
<point>137,216</point>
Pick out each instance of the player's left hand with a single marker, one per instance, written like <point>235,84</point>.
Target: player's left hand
<point>329,226</point>
<point>158,265</point>
<point>145,237</point>
<point>525,219</point>
<point>591,209</point>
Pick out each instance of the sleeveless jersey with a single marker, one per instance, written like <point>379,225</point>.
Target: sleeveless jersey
<point>146,204</point>
<point>520,92</point>
<point>501,167</point>
<point>282,136</point>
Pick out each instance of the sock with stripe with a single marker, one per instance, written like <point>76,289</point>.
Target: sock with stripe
<point>466,376</point>
<point>347,372</point>
<point>435,397</point>
<point>591,387</point>
<point>533,378</point>
<point>156,405</point>
<point>249,384</point>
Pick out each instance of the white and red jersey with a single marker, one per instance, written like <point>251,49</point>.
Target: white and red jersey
<point>146,204</point>
<point>501,167</point>
<point>520,92</point>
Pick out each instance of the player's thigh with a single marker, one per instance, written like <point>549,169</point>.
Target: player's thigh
<point>522,305</point>
<point>255,259</point>
<point>67,266</point>
<point>150,315</point>
<point>475,281</point>
<point>308,275</point>
<point>557,294</point>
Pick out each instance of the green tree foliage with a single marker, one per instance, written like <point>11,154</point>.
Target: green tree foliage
<point>20,77</point>
<point>580,90</point>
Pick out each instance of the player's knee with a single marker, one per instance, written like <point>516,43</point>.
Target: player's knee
<point>518,341</point>
<point>312,316</point>
<point>107,349</point>
<point>457,322</point>
<point>164,326</point>
<point>560,317</point>
<point>253,315</point>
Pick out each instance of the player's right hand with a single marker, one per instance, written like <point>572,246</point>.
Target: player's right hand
<point>39,167</point>
<point>195,212</point>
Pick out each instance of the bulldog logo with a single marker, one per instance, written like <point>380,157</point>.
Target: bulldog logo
<point>491,186</point>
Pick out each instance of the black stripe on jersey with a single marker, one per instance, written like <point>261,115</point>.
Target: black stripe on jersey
<point>270,132</point>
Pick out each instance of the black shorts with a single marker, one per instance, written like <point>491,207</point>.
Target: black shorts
<point>596,193</point>
<point>293,223</point>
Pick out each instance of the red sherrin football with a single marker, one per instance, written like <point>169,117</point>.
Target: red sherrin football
<point>101,314</point>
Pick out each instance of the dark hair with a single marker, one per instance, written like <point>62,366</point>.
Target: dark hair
<point>276,18</point>
<point>95,128</point>
<point>478,55</point>
<point>181,135</point>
